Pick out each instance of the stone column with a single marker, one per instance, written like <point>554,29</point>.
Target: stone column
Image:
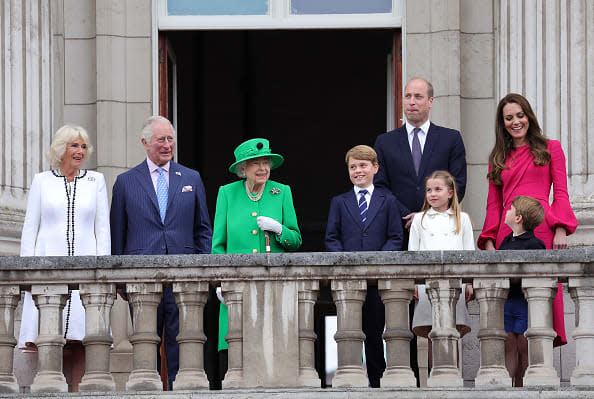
<point>443,295</point>
<point>491,294</point>
<point>396,295</point>
<point>539,293</point>
<point>191,298</point>
<point>307,294</point>
<point>233,295</point>
<point>144,299</point>
<point>50,300</point>
<point>9,298</point>
<point>582,293</point>
<point>349,296</point>
<point>97,300</point>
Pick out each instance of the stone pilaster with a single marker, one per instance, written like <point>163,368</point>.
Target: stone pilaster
<point>582,293</point>
<point>307,296</point>
<point>50,300</point>
<point>191,298</point>
<point>349,296</point>
<point>396,295</point>
<point>539,293</point>
<point>233,295</point>
<point>98,300</point>
<point>443,295</point>
<point>144,299</point>
<point>491,294</point>
<point>9,298</point>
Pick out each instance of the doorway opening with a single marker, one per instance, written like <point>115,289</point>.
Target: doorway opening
<point>313,93</point>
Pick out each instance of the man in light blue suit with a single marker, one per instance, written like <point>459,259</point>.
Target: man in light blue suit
<point>159,207</point>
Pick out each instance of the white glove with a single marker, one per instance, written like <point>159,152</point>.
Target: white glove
<point>269,224</point>
<point>220,295</point>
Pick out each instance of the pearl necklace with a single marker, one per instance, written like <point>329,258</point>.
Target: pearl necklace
<point>251,196</point>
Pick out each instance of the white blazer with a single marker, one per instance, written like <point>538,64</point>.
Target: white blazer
<point>46,221</point>
<point>437,232</point>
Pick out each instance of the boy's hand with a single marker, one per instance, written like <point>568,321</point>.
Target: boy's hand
<point>416,294</point>
<point>408,218</point>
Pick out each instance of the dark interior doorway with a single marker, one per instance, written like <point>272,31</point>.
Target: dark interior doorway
<point>314,94</point>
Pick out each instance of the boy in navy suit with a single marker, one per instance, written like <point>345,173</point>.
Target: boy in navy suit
<point>366,218</point>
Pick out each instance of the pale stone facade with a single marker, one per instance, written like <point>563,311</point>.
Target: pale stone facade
<point>91,62</point>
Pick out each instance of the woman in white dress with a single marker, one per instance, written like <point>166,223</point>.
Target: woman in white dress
<point>67,215</point>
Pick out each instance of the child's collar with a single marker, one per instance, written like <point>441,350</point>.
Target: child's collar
<point>433,212</point>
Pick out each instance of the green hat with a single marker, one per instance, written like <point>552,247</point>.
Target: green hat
<point>255,148</point>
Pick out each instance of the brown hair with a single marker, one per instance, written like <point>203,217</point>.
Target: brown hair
<point>453,203</point>
<point>531,211</point>
<point>363,152</point>
<point>504,143</point>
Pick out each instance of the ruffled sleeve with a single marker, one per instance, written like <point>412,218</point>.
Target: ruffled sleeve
<point>493,216</point>
<point>560,214</point>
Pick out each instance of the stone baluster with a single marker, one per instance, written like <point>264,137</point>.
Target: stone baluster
<point>349,296</point>
<point>9,298</point>
<point>396,295</point>
<point>307,296</point>
<point>98,300</point>
<point>191,298</point>
<point>233,295</point>
<point>539,293</point>
<point>444,295</point>
<point>491,294</point>
<point>144,299</point>
<point>582,293</point>
<point>50,300</point>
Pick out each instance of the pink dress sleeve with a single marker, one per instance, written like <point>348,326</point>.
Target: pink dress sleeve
<point>493,216</point>
<point>560,213</point>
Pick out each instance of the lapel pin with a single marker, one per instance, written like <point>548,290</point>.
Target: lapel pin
<point>178,173</point>
<point>275,191</point>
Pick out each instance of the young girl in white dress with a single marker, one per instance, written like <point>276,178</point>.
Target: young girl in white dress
<point>440,225</point>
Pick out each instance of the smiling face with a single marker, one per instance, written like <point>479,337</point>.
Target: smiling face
<point>161,145</point>
<point>516,123</point>
<point>361,172</point>
<point>74,155</point>
<point>438,194</point>
<point>417,102</point>
<point>257,171</point>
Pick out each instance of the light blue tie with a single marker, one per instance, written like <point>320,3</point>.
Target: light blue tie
<point>162,194</point>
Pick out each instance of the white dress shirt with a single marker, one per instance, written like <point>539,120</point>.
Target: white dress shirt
<point>155,173</point>
<point>367,196</point>
<point>437,232</point>
<point>422,134</point>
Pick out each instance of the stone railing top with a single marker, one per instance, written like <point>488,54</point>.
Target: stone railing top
<point>300,266</point>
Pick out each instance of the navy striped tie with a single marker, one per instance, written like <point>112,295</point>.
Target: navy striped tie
<point>363,205</point>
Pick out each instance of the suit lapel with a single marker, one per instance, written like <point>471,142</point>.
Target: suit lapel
<point>175,179</point>
<point>144,177</point>
<point>430,142</point>
<point>377,200</point>
<point>352,206</point>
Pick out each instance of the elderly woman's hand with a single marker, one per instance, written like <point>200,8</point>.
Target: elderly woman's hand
<point>269,224</point>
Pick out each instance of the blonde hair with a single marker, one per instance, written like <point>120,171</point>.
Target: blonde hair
<point>362,152</point>
<point>63,136</point>
<point>453,203</point>
<point>531,211</point>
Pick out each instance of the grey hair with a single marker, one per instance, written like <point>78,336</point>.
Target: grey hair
<point>238,169</point>
<point>147,128</point>
<point>63,136</point>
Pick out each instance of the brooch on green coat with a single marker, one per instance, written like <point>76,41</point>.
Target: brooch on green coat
<point>275,191</point>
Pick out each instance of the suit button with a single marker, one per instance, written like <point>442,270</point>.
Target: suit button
<point>254,232</point>
<point>163,247</point>
<point>255,251</point>
<point>254,214</point>
<point>418,188</point>
<point>364,234</point>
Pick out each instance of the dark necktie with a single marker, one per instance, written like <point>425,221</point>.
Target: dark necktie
<point>416,150</point>
<point>363,205</point>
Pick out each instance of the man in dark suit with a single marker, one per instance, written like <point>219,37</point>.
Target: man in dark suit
<point>366,218</point>
<point>410,153</point>
<point>159,207</point>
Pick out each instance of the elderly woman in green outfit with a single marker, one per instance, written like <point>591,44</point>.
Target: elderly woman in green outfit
<point>254,214</point>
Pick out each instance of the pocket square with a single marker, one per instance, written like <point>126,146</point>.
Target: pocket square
<point>186,189</point>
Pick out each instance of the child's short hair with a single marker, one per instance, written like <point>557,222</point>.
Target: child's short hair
<point>531,211</point>
<point>363,152</point>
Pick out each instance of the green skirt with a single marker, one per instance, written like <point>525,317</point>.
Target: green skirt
<point>223,327</point>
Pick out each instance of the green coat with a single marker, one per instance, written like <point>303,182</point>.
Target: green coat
<point>236,229</point>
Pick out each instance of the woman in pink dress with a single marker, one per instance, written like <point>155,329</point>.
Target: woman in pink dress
<point>524,162</point>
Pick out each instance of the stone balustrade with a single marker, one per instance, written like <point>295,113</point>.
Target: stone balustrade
<point>270,299</point>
